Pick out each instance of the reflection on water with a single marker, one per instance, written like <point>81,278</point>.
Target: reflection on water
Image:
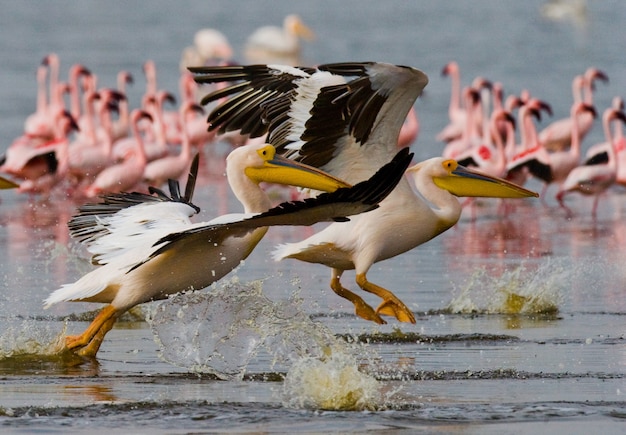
<point>40,364</point>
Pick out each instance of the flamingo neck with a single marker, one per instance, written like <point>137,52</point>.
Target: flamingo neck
<point>575,145</point>
<point>455,94</point>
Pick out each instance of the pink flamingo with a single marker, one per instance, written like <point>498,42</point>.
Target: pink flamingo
<point>620,144</point>
<point>557,135</point>
<point>595,179</point>
<point>38,124</point>
<point>149,69</point>
<point>489,157</point>
<point>129,172</point>
<point>154,139</point>
<point>599,153</point>
<point>76,72</point>
<point>87,134</point>
<point>158,148</point>
<point>456,114</point>
<point>197,128</point>
<point>511,103</point>
<point>553,167</point>
<point>122,126</point>
<point>529,143</point>
<point>49,102</point>
<point>470,135</point>
<point>46,182</point>
<point>158,171</point>
<point>27,156</point>
<point>409,131</point>
<point>169,119</point>
<point>88,158</point>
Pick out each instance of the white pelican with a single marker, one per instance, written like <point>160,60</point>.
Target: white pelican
<point>345,119</point>
<point>210,46</point>
<point>147,247</point>
<point>275,44</point>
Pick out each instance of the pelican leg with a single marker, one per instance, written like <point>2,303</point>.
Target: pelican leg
<point>91,349</point>
<point>361,308</point>
<point>90,340</point>
<point>391,305</point>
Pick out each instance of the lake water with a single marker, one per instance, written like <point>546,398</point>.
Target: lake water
<point>521,320</point>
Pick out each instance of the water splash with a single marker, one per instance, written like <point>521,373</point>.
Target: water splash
<point>30,338</point>
<point>517,291</point>
<point>331,383</point>
<point>220,332</point>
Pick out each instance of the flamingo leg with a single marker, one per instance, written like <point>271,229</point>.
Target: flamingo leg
<point>542,195</point>
<point>361,308</point>
<point>88,343</point>
<point>594,209</point>
<point>560,196</point>
<point>391,305</point>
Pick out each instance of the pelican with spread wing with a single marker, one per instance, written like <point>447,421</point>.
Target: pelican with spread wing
<point>345,118</point>
<point>147,248</point>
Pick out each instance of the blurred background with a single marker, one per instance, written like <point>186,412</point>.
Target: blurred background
<point>536,45</point>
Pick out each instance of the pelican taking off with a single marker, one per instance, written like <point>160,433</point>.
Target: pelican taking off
<point>345,119</point>
<point>147,247</point>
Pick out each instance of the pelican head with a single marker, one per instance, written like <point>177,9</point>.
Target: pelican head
<point>461,181</point>
<point>212,44</point>
<point>261,163</point>
<point>295,26</point>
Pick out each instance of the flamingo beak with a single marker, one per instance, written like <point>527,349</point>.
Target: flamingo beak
<point>7,184</point>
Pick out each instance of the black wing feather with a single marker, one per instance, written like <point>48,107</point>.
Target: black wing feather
<point>359,198</point>
<point>87,225</point>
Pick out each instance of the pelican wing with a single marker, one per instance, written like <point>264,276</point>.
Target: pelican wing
<point>256,84</point>
<point>334,206</point>
<point>321,117</point>
<point>124,221</point>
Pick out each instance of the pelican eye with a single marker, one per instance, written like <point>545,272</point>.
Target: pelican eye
<point>450,165</point>
<point>267,152</point>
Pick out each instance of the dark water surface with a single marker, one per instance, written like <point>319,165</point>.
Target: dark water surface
<point>521,320</point>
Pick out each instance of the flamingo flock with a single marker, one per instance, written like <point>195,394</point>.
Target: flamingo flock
<point>83,140</point>
<point>486,139</point>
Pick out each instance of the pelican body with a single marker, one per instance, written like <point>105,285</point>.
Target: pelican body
<point>345,118</point>
<point>147,247</point>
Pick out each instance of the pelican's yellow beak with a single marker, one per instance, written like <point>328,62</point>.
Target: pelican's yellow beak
<point>7,184</point>
<point>462,181</point>
<point>280,170</point>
